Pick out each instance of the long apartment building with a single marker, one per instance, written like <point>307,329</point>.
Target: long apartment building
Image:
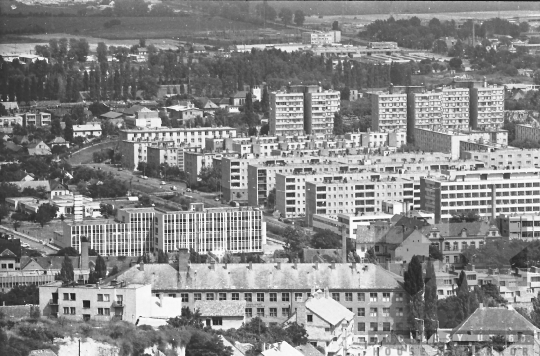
<point>505,157</point>
<point>487,192</point>
<point>301,109</point>
<point>464,104</point>
<point>273,292</point>
<point>527,132</point>
<point>141,230</point>
<point>134,142</point>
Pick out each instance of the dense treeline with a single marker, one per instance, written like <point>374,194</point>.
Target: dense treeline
<point>63,77</point>
<point>411,33</point>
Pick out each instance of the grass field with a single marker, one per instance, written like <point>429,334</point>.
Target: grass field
<point>130,27</point>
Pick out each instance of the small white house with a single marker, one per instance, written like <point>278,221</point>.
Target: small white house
<point>222,314</point>
<point>93,129</point>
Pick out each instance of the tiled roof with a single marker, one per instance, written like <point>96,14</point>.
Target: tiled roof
<point>111,115</point>
<point>221,307</point>
<point>132,110</point>
<point>10,247</point>
<point>281,349</point>
<point>309,350</point>
<point>162,276</point>
<point>312,255</point>
<point>239,94</point>
<point>264,276</point>
<point>33,184</point>
<point>476,228</point>
<point>43,352</point>
<point>329,309</point>
<point>495,321</point>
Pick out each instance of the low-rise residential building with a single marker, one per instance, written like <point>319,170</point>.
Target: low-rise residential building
<point>222,314</point>
<point>143,118</point>
<point>519,226</point>
<point>504,157</point>
<point>273,291</point>
<point>527,132</point>
<point>92,129</point>
<point>8,122</point>
<point>183,114</point>
<point>10,255</point>
<point>38,149</point>
<point>328,323</point>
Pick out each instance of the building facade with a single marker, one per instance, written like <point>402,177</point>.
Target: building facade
<point>286,113</point>
<point>389,111</point>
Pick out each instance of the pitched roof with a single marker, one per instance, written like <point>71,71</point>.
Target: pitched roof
<point>42,352</point>
<point>239,94</point>
<point>281,349</point>
<point>33,184</point>
<point>309,350</point>
<point>476,228</point>
<point>208,104</point>
<point>111,115</point>
<point>312,255</point>
<point>10,248</point>
<point>221,307</point>
<point>495,321</point>
<point>329,309</point>
<point>132,110</point>
<point>57,140</point>
<point>262,276</point>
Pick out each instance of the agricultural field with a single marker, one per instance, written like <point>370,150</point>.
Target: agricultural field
<point>129,28</point>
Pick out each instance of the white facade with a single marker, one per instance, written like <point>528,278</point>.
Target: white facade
<point>388,112</point>
<point>93,129</point>
<point>286,113</point>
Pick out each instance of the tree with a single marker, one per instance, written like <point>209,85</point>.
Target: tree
<point>335,26</point>
<point>45,213</point>
<point>297,333</point>
<point>66,272</point>
<point>4,212</point>
<point>101,268</point>
<point>113,271</point>
<point>56,128</point>
<point>162,257</point>
<point>206,344</point>
<point>455,63</point>
<point>286,15</point>
<point>295,241</point>
<point>430,300</point>
<point>265,101</point>
<point>101,52</point>
<point>299,17</point>
<point>69,251</point>
<point>107,210</point>
<point>68,130</point>
<point>536,77</point>
<point>414,286</point>
<point>325,239</point>
<point>187,318</point>
<point>338,124</point>
<point>435,253</point>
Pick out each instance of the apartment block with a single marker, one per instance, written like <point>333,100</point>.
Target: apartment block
<point>374,139</point>
<point>487,106</point>
<point>172,156</point>
<point>286,113</point>
<point>320,107</point>
<point>425,111</point>
<point>362,196</point>
<point>144,118</point>
<point>215,230</point>
<point>487,192</point>
<point>519,226</point>
<point>36,119</point>
<point>321,38</point>
<point>372,293</point>
<point>134,142</point>
<point>389,111</point>
<point>347,224</point>
<point>100,303</point>
<point>506,157</point>
<point>130,235</point>
<point>527,132</point>
<point>194,162</point>
<point>455,108</point>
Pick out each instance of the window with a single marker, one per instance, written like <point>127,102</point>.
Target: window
<point>222,296</point>
<point>247,297</point>
<point>209,296</point>
<point>348,297</point>
<point>249,313</point>
<point>273,312</point>
<point>273,297</point>
<point>372,297</point>
<point>197,296</point>
<point>386,312</point>
<point>373,312</point>
<point>399,297</point>
<point>285,311</point>
<point>335,296</point>
<point>399,312</point>
<point>386,326</point>
<point>260,297</point>
<point>298,297</point>
<point>361,311</point>
<point>235,296</point>
<point>284,297</point>
<point>217,321</point>
<point>373,327</point>
<point>71,296</point>
<point>104,311</point>
<point>86,304</point>
<point>66,310</point>
<point>310,318</point>
<point>361,326</point>
<point>66,296</point>
<point>72,310</point>
<point>386,297</point>
<point>260,312</point>
<point>361,297</point>
<point>100,297</point>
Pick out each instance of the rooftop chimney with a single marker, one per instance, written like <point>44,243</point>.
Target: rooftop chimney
<point>141,266</point>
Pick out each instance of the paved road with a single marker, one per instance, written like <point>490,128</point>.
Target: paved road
<point>34,243</point>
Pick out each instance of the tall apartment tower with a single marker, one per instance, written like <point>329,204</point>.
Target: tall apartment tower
<point>303,109</point>
<point>455,108</point>
<point>389,111</point>
<point>486,103</point>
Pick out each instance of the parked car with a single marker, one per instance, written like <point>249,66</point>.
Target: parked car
<point>216,199</point>
<point>24,244</point>
<point>173,188</point>
<point>163,183</point>
<point>188,190</point>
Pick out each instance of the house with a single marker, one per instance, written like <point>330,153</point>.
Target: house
<point>238,98</point>
<point>309,350</point>
<point>206,105</point>
<point>10,255</point>
<point>222,314</point>
<point>23,140</point>
<point>485,322</point>
<point>328,323</point>
<point>88,130</point>
<point>42,352</point>
<point>526,72</point>
<point>13,147</point>
<point>182,113</point>
<point>58,189</point>
<point>8,122</point>
<point>59,141</point>
<point>38,149</point>
<point>28,177</point>
<point>282,348</point>
<point>142,51</point>
<point>10,106</point>
<point>111,115</point>
<point>222,103</point>
<point>35,184</point>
